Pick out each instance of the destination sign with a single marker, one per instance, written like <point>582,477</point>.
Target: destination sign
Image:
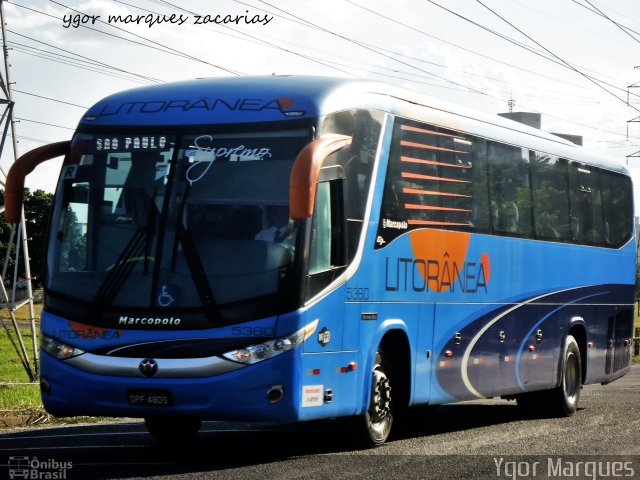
<point>123,143</point>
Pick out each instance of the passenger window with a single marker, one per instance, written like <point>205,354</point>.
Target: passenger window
<point>509,189</point>
<point>436,178</point>
<point>463,174</point>
<point>587,225</point>
<point>551,197</point>
<point>618,208</point>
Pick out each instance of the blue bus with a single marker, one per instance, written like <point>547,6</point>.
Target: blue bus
<point>296,248</point>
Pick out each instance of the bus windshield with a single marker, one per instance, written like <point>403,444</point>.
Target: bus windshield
<point>192,221</point>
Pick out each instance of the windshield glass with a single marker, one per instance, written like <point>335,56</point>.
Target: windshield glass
<point>193,221</point>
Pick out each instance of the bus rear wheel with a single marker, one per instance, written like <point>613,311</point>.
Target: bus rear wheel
<point>561,401</point>
<point>172,430</point>
<point>378,418</point>
<point>564,399</point>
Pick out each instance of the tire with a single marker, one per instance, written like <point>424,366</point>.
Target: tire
<point>564,399</point>
<point>378,419</point>
<point>561,401</point>
<point>172,430</point>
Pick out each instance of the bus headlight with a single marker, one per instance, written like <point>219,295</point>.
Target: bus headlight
<point>257,353</point>
<point>58,349</point>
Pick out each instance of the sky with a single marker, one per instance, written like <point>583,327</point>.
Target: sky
<point>573,61</point>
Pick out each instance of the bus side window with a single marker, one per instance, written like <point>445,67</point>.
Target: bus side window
<point>551,198</point>
<point>585,190</point>
<point>357,161</point>
<point>510,189</point>
<point>327,252</point>
<point>320,253</point>
<point>618,208</point>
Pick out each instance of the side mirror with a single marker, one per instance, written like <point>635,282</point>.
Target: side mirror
<point>306,169</point>
<point>22,167</point>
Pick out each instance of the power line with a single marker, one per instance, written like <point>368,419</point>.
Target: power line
<point>151,79</point>
<point>165,49</point>
<point>597,11</point>
<point>43,123</point>
<point>253,38</point>
<point>54,58</point>
<point>51,99</point>
<point>85,60</point>
<point>95,29</point>
<point>355,42</point>
<point>421,32</point>
<point>168,49</point>
<point>537,88</point>
<point>498,80</point>
<point>475,91</point>
<point>32,139</point>
<point>626,14</point>
<point>557,60</point>
<point>324,61</point>
<point>549,51</point>
<point>561,62</point>
<point>371,46</point>
<point>317,27</point>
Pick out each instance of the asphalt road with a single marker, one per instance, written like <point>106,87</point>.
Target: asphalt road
<point>489,439</point>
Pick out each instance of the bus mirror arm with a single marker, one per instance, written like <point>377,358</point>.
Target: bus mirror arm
<point>306,169</point>
<point>22,167</point>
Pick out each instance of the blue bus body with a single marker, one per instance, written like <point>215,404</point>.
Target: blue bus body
<point>464,312</point>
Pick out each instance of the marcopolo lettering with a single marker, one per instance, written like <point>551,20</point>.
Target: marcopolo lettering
<point>150,321</point>
<point>396,224</point>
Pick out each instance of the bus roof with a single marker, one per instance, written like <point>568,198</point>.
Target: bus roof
<point>252,99</point>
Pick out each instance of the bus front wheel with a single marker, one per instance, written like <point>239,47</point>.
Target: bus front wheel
<point>172,430</point>
<point>379,416</point>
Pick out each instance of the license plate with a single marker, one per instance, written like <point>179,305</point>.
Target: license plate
<point>149,398</point>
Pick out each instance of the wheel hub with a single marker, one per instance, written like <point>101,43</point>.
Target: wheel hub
<point>381,397</point>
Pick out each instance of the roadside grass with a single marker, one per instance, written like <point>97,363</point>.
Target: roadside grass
<point>20,402</point>
<point>11,368</point>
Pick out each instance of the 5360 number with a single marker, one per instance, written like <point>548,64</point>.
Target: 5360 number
<point>357,294</point>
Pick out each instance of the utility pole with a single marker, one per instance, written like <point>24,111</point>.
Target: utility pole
<point>18,235</point>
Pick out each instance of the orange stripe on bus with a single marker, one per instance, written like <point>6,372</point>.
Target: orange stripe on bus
<point>432,222</point>
<point>429,177</point>
<point>417,191</point>
<point>431,162</point>
<point>422,130</point>
<point>413,206</point>
<point>404,143</point>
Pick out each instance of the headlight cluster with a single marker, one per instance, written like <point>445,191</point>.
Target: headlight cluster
<point>58,349</point>
<point>257,353</point>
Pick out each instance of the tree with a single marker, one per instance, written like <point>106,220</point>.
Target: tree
<point>37,207</point>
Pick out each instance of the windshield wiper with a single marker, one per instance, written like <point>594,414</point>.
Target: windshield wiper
<point>151,222</point>
<point>119,271</point>
<point>199,275</point>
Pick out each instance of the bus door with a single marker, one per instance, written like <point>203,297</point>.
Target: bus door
<point>425,353</point>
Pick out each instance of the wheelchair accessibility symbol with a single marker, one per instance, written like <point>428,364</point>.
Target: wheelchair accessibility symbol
<point>167,296</point>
